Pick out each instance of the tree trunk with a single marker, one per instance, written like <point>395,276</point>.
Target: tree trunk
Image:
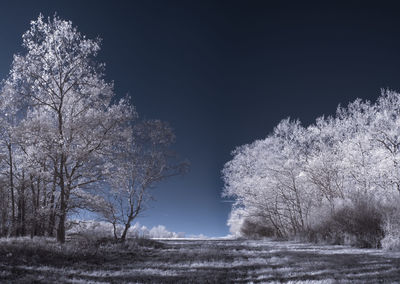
<point>61,227</point>
<point>52,217</point>
<point>62,215</point>
<point>63,207</point>
<point>115,230</point>
<point>21,208</point>
<point>34,205</point>
<point>127,226</point>
<point>11,186</point>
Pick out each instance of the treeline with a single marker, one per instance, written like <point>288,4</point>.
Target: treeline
<point>97,230</point>
<point>337,180</point>
<point>68,143</point>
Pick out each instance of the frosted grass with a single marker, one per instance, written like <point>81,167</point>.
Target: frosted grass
<point>214,261</point>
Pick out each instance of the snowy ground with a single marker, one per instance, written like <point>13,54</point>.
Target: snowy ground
<point>209,261</point>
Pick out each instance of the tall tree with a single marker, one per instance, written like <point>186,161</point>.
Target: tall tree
<point>58,76</point>
<point>9,119</point>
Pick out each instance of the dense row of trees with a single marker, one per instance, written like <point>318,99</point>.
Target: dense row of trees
<point>67,142</point>
<point>337,178</point>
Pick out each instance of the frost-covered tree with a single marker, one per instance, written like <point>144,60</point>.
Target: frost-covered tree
<point>385,133</point>
<point>267,179</point>
<point>67,143</point>
<point>339,168</point>
<point>140,163</point>
<point>62,84</point>
<point>323,168</point>
<point>9,105</point>
<point>13,173</point>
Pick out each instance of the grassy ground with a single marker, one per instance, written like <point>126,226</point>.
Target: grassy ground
<point>192,261</point>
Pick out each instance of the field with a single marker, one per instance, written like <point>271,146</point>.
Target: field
<point>192,261</point>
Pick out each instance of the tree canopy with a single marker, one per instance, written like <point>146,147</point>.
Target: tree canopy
<point>66,136</point>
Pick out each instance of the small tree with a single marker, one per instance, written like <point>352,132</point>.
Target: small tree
<point>142,162</point>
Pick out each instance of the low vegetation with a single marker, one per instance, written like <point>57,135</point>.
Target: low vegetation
<point>43,260</point>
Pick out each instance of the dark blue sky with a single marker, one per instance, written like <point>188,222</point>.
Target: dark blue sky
<point>223,73</point>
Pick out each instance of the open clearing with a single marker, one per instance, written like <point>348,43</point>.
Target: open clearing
<point>207,261</point>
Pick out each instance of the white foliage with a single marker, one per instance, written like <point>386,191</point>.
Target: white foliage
<point>65,125</point>
<point>235,221</point>
<point>295,173</point>
<point>99,229</point>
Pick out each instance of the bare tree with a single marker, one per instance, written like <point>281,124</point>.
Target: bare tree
<point>141,163</point>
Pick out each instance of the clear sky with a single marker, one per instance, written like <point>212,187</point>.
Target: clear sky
<point>223,73</point>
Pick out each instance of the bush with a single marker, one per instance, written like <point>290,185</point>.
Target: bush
<point>90,230</point>
<point>357,223</point>
<point>391,242</point>
<point>253,229</point>
<point>391,226</point>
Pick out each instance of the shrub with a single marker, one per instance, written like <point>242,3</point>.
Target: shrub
<point>254,229</point>
<point>362,222</point>
<point>391,226</point>
<point>358,223</point>
<point>391,242</point>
